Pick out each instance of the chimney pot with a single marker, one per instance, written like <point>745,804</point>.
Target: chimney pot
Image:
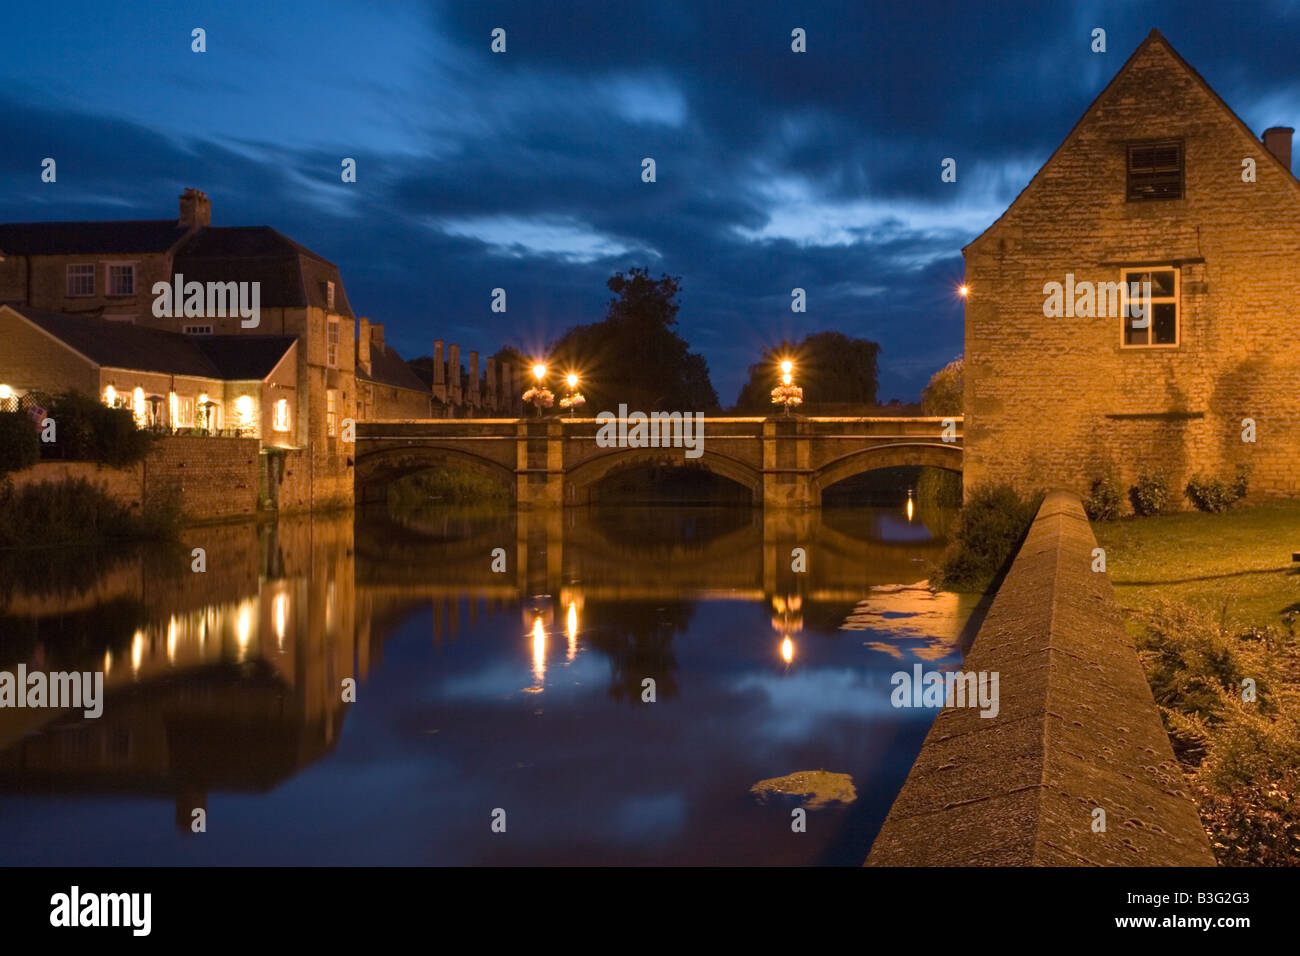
<point>1277,141</point>
<point>363,344</point>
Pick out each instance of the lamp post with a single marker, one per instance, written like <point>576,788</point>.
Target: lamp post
<point>575,397</point>
<point>539,394</point>
<point>787,393</point>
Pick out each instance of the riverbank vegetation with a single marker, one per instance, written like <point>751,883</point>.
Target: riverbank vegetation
<point>989,529</point>
<point>74,512</point>
<point>1213,601</point>
<point>445,486</point>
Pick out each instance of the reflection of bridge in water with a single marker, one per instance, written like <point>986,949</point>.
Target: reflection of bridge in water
<point>230,680</point>
<point>782,462</point>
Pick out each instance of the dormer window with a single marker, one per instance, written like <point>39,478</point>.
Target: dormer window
<point>329,296</point>
<point>1155,171</point>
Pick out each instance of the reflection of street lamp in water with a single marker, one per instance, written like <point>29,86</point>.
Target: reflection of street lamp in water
<point>539,650</point>
<point>909,504</point>
<point>787,650</point>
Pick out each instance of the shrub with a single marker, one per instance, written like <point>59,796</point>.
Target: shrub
<point>88,430</point>
<point>1103,501</point>
<point>1151,494</point>
<point>20,443</point>
<point>1215,494</point>
<point>992,524</point>
<point>1243,756</point>
<point>1241,481</point>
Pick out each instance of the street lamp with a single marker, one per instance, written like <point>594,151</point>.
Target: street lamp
<point>963,290</point>
<point>575,397</point>
<point>539,394</point>
<point>787,393</point>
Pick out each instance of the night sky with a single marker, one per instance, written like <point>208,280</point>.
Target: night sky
<point>523,170</point>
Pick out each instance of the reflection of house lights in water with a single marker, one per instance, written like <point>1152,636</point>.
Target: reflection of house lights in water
<point>787,650</point>
<point>572,623</point>
<point>280,612</point>
<point>244,627</point>
<point>539,650</point>
<point>171,640</point>
<point>909,504</point>
<point>137,651</point>
<point>108,661</point>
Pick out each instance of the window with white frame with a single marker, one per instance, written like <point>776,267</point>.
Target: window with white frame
<point>1153,324</point>
<point>81,279</point>
<point>332,343</point>
<point>121,278</point>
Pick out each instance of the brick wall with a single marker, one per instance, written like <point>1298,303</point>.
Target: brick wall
<point>212,477</point>
<point>1051,402</point>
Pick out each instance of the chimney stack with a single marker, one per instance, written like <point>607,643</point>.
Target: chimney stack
<point>493,400</point>
<point>453,373</point>
<point>439,373</point>
<point>1278,142</point>
<point>377,335</point>
<point>196,210</point>
<point>474,391</point>
<point>363,344</point>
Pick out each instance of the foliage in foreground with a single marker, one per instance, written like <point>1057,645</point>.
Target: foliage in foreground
<point>1104,500</point>
<point>445,486</point>
<point>992,524</point>
<point>1242,756</point>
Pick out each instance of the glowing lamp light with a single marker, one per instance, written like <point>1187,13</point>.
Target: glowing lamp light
<point>244,410</point>
<point>137,405</point>
<point>787,367</point>
<point>571,378</point>
<point>963,290</point>
<point>6,393</point>
<point>110,395</point>
<point>539,371</point>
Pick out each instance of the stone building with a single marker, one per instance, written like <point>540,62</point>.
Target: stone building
<point>1161,182</point>
<point>107,272</point>
<point>386,386</point>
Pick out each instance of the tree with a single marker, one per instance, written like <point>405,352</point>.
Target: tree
<point>633,355</point>
<point>943,396</point>
<point>830,366</point>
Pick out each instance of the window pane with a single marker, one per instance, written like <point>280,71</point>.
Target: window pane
<point>1134,336</point>
<point>1164,322</point>
<point>1162,284</point>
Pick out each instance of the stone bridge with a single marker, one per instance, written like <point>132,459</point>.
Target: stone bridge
<point>782,462</point>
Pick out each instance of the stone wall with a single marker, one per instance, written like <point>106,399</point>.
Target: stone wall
<point>1076,730</point>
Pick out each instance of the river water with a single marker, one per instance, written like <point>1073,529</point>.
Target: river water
<point>593,686</point>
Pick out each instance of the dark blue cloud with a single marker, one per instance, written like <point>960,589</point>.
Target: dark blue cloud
<point>522,170</point>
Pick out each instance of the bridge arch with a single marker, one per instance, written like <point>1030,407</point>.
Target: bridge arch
<point>888,455</point>
<point>579,480</point>
<point>375,470</point>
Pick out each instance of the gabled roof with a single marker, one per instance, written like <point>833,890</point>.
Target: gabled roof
<point>389,368</point>
<point>138,348</point>
<point>1153,36</point>
<point>90,238</point>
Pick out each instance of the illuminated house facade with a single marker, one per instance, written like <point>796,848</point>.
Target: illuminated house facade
<point>105,272</point>
<point>216,384</point>
<point>1159,181</point>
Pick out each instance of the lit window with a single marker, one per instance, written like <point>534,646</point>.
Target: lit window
<point>331,412</point>
<point>280,420</point>
<point>81,280</point>
<point>1157,327</point>
<point>332,343</point>
<point>121,280</point>
<point>245,416</point>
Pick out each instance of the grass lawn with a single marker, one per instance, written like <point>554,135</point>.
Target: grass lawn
<point>1242,556</point>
